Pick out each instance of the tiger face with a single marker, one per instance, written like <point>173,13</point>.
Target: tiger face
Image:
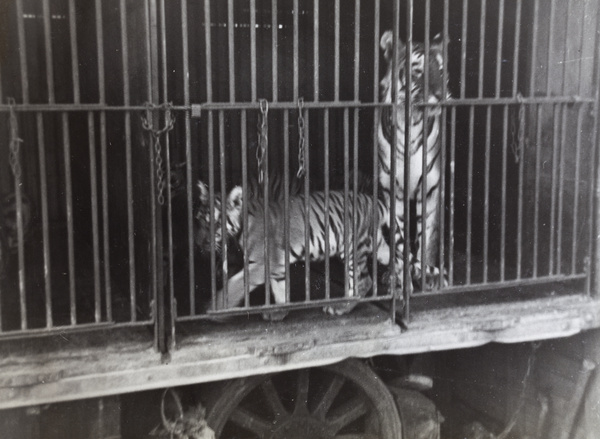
<point>434,70</point>
<point>202,234</point>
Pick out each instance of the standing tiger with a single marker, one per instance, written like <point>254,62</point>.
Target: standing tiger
<point>365,208</point>
<point>427,134</point>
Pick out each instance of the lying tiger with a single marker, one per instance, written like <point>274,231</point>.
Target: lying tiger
<point>365,212</point>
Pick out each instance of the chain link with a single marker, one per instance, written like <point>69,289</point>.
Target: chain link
<point>518,132</point>
<point>301,139</point>
<point>15,143</point>
<point>155,134</point>
<point>263,139</point>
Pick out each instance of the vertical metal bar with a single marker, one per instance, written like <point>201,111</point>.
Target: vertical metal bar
<point>555,151</point>
<point>94,208</point>
<point>326,183</point>
<point>266,216</point>
<point>244,141</point>
<point>355,201</point>
<point>316,49</point>
<point>463,48</point>
<point>517,46</point>
<point>231,48</point>
<point>425,150</point>
<point>45,220</point>
<point>22,53</point>
<point>482,18</point>
<point>100,49</point>
<point>536,205</point>
<point>576,190</point>
<point>347,254</point>
<point>286,201</point>
<point>188,156</point>
<point>306,207</point>
<point>48,51</point>
<point>224,258</point>
<point>550,45</point>
<point>336,53</point>
<point>593,252</point>
<point>211,205</point>
<point>69,200</point>
<point>499,45</point>
<point>452,194</point>
<point>253,49</point>
<point>356,48</point>
<point>128,157</point>
<point>503,199</point>
<point>486,202</point>
<point>105,220</point>
<point>74,50</point>
<point>296,62</point>
<point>561,180</point>
<point>443,153</point>
<point>207,38</point>
<point>274,46</point>
<point>534,44</point>
<point>470,193</point>
<point>376,116</point>
<point>407,156</point>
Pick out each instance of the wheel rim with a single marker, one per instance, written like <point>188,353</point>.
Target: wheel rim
<point>344,400</point>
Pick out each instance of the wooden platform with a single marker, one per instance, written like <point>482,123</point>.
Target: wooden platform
<point>72,366</point>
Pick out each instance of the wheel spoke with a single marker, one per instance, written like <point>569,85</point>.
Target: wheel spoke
<point>273,399</point>
<point>301,406</point>
<point>347,413</point>
<point>251,422</point>
<point>328,397</point>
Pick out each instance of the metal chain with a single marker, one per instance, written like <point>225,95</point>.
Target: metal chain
<point>521,403</point>
<point>15,143</point>
<point>518,133</point>
<point>301,139</point>
<point>155,134</point>
<point>263,140</point>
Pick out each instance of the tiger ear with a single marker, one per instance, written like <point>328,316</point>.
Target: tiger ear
<point>203,192</point>
<point>234,200</point>
<point>436,50</point>
<point>387,44</point>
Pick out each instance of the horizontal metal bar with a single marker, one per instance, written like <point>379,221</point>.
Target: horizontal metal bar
<point>198,108</point>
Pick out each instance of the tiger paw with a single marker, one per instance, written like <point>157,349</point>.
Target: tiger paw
<point>339,309</point>
<point>274,316</point>
<point>432,276</point>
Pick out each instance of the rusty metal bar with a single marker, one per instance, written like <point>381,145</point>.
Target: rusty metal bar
<point>22,53</point>
<point>463,48</point>
<point>274,46</point>
<point>406,287</point>
<point>316,22</point>
<point>336,52</point>
<point>306,206</point>
<point>346,202</point>
<point>244,142</point>
<point>45,220</point>
<point>327,207</point>
<point>486,202</point>
<point>223,188</point>
<point>230,50</point>
<point>48,51</point>
<point>74,53</point>
<point>500,41</point>
<point>470,194</point>
<point>536,206</point>
<point>286,201</point>
<point>296,62</point>
<point>482,18</point>
<point>100,52</point>
<point>253,50</point>
<point>69,202</point>
<point>503,197</point>
<point>105,218</point>
<point>188,157</point>
<point>208,51</point>
<point>94,210</point>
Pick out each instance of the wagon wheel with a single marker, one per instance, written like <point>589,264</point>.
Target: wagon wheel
<point>345,400</point>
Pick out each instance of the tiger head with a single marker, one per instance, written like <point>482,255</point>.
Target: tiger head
<point>233,206</point>
<point>434,69</point>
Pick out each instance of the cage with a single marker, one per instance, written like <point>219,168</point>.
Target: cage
<point>113,112</point>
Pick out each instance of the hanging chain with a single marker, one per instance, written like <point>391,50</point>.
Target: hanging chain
<point>518,132</point>
<point>15,143</point>
<point>301,139</point>
<point>263,140</point>
<point>155,134</point>
<point>521,403</point>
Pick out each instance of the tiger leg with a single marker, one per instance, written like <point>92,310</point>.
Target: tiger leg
<point>278,290</point>
<point>235,287</point>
